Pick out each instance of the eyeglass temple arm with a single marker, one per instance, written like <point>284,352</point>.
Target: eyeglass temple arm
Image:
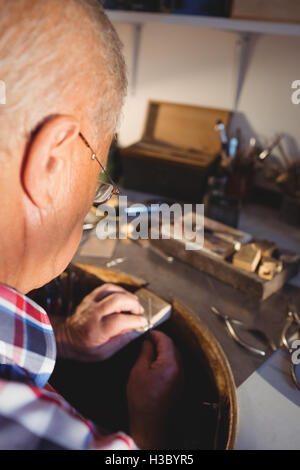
<point>116,189</point>
<point>94,156</point>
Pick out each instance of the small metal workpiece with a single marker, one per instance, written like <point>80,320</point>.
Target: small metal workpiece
<point>265,153</point>
<point>149,315</point>
<point>88,226</point>
<point>114,262</point>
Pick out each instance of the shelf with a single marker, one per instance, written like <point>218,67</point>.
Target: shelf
<point>228,24</point>
<point>246,30</point>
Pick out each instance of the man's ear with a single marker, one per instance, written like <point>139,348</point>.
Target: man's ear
<point>45,157</point>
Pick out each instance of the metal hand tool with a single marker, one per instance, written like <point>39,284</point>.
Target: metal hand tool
<point>292,320</point>
<point>231,322</point>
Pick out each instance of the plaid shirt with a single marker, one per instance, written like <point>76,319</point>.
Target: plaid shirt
<point>32,414</point>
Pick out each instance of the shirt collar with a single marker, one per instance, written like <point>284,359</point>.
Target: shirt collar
<point>27,343</point>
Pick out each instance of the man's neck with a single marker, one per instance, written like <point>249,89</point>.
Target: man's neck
<point>12,243</point>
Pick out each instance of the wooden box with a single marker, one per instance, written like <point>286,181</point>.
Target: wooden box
<point>179,149</point>
<point>267,10</point>
<point>220,266</point>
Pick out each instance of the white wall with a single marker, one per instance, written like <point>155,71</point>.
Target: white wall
<point>199,66</point>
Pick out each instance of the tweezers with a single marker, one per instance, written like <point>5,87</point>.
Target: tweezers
<point>231,322</point>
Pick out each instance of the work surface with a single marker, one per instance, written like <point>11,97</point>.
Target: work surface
<point>269,408</point>
<point>200,291</point>
<point>269,403</point>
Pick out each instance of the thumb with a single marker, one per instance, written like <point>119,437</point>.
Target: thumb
<point>147,354</point>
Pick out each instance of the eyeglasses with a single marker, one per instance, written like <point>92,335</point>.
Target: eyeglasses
<point>104,191</point>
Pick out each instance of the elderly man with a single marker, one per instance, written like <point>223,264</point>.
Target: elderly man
<point>65,84</point>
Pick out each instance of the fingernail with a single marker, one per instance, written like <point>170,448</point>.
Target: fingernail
<point>144,325</point>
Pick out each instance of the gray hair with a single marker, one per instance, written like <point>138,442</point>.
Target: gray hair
<point>46,57</point>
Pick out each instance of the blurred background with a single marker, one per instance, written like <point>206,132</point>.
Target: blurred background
<point>241,56</point>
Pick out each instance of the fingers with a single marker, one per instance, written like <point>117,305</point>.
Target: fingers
<point>117,323</point>
<point>147,355</point>
<point>105,351</point>
<point>102,291</point>
<point>110,298</point>
<point>119,302</point>
<point>113,302</point>
<point>103,318</point>
<point>108,289</point>
<point>158,350</point>
<point>165,348</point>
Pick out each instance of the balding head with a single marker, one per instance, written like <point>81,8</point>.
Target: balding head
<point>58,57</point>
<point>64,72</point>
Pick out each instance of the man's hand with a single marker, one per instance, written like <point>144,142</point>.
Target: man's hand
<point>153,389</point>
<point>98,329</point>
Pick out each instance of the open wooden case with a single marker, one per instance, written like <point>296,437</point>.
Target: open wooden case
<point>178,151</point>
<point>206,417</point>
<point>212,259</point>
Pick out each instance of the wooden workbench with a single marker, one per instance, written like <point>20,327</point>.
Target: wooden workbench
<point>200,291</point>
